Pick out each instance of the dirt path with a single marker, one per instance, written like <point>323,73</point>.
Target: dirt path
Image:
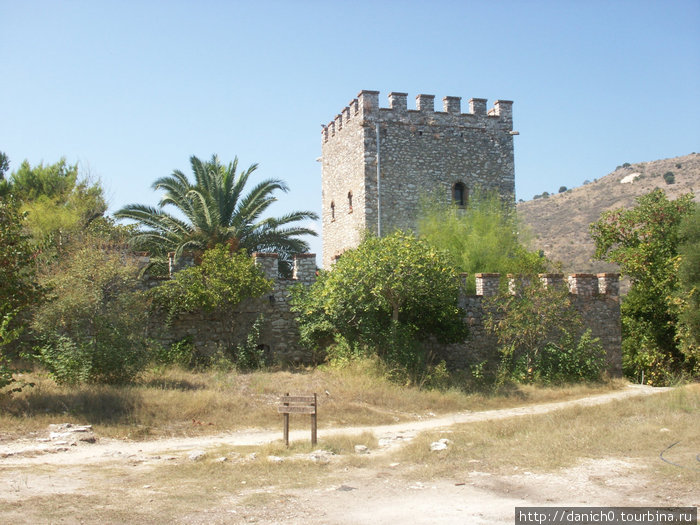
<point>52,480</point>
<point>71,451</point>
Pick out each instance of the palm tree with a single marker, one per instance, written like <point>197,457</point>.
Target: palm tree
<point>216,210</point>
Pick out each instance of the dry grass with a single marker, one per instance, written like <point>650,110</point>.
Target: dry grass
<point>194,491</point>
<point>181,403</point>
<point>639,429</point>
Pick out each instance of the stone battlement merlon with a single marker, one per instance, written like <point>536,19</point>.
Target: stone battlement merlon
<point>584,284</point>
<point>366,108</point>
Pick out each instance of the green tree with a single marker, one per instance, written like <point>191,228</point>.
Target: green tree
<point>92,327</point>
<point>541,338</point>
<point>644,241</point>
<point>17,268</point>
<point>18,284</point>
<point>484,237</point>
<point>217,285</point>
<point>687,299</point>
<point>58,203</point>
<point>216,209</point>
<point>4,165</point>
<point>387,297</point>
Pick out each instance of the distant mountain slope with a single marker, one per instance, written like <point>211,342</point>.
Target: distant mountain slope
<point>559,223</point>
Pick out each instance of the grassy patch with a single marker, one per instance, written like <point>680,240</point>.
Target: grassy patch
<point>637,428</point>
<point>175,402</point>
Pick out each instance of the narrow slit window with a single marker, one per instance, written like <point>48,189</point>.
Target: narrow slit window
<point>459,194</point>
<point>349,202</point>
<point>332,211</point>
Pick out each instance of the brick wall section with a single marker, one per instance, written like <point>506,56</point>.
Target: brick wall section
<point>421,151</point>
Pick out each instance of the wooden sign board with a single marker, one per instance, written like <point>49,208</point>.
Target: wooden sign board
<point>298,405</point>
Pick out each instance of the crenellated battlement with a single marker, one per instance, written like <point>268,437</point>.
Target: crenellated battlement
<point>365,109</point>
<point>303,269</point>
<point>583,284</point>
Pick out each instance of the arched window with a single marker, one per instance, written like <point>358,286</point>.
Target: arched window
<point>460,194</point>
<point>349,202</point>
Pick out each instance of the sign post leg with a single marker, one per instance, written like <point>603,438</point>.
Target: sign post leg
<point>286,425</point>
<point>313,422</point>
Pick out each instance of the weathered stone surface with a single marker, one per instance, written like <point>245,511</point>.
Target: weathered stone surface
<point>279,336</point>
<point>419,152</point>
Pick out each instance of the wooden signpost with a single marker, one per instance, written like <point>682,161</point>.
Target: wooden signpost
<point>298,405</point>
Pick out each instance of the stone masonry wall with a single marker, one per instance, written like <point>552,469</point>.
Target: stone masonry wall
<point>595,296</point>
<point>279,333</point>
<point>421,152</point>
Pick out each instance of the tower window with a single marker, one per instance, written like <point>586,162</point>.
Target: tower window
<point>332,210</point>
<point>460,194</point>
<point>349,202</point>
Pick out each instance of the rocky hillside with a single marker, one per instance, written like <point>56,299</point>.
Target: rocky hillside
<point>559,222</point>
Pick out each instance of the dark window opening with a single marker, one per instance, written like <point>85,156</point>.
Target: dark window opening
<point>332,211</point>
<point>460,194</point>
<point>349,202</point>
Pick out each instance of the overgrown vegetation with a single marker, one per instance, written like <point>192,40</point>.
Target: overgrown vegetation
<point>484,237</point>
<point>19,285</point>
<point>92,325</point>
<point>541,337</point>
<point>659,334</point>
<point>388,297</point>
<point>217,284</point>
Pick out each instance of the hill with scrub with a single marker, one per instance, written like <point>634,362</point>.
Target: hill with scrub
<point>559,222</point>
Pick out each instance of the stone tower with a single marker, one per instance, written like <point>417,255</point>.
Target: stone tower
<point>377,162</point>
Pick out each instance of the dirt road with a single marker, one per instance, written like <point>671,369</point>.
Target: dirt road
<point>379,494</point>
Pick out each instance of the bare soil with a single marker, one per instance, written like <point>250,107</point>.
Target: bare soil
<point>75,477</point>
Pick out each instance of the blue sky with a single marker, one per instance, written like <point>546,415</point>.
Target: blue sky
<point>130,90</point>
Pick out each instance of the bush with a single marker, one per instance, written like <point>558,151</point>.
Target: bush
<point>218,284</point>
<point>93,326</point>
<point>388,298</point>
<point>537,331</point>
<point>180,353</point>
<point>251,355</point>
<point>669,177</point>
<point>646,242</point>
<point>562,189</point>
<point>484,237</point>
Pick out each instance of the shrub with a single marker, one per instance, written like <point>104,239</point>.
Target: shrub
<point>537,331</point>
<point>669,177</point>
<point>645,242</point>
<point>562,189</point>
<point>250,355</point>
<point>92,328</point>
<point>388,298</point>
<point>484,237</point>
<point>218,284</point>
<point>181,353</point>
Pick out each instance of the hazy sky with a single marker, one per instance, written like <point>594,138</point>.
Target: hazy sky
<point>130,90</point>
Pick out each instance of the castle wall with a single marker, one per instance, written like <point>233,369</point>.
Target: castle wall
<point>596,297</point>
<point>421,152</point>
<point>279,333</point>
